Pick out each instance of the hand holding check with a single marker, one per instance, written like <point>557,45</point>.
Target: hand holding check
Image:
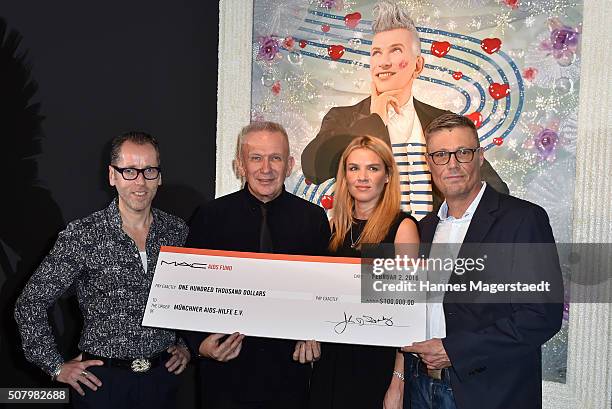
<point>307,351</point>
<point>431,352</point>
<point>214,348</point>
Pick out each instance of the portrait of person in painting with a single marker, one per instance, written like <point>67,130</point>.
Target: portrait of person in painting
<point>390,113</point>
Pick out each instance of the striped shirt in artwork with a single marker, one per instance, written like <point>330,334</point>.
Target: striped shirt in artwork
<point>415,178</point>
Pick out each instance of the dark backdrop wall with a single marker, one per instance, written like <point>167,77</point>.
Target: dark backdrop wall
<point>101,68</point>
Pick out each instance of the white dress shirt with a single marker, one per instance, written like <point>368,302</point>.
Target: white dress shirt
<point>143,257</point>
<point>449,230</point>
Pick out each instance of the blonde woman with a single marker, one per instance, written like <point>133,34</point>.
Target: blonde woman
<point>366,210</point>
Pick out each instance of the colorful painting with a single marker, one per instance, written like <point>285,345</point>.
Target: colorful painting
<point>512,66</point>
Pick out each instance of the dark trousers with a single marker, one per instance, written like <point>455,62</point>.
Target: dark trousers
<point>423,392</point>
<point>122,388</point>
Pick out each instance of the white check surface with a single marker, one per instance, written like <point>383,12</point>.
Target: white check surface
<point>290,297</point>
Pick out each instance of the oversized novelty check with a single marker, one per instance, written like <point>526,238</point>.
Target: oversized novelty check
<point>275,296</point>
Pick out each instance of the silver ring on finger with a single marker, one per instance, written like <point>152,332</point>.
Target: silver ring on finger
<point>84,373</point>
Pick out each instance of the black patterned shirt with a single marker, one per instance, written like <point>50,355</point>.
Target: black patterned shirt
<point>103,263</point>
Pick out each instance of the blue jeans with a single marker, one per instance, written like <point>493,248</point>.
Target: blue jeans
<point>424,392</point>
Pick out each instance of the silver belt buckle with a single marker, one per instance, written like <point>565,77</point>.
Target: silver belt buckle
<point>141,365</point>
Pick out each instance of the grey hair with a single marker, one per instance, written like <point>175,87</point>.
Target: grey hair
<point>450,121</point>
<point>257,126</point>
<point>390,16</point>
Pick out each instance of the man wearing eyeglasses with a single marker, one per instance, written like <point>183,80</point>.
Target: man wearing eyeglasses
<point>109,257</point>
<point>481,355</point>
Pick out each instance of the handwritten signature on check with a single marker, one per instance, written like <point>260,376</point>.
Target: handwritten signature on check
<point>360,321</point>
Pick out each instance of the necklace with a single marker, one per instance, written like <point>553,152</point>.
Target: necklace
<point>355,243</point>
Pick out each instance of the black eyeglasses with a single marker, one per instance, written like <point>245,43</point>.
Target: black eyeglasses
<point>150,173</point>
<point>463,155</point>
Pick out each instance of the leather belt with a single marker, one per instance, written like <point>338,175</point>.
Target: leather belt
<point>138,365</point>
<point>434,373</point>
<point>438,374</point>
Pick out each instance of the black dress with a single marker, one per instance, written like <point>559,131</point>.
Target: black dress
<point>354,376</point>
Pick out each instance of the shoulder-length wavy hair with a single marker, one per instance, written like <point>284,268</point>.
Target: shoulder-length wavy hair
<point>388,206</point>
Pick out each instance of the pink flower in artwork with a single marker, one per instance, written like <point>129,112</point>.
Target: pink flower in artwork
<point>530,73</point>
<point>268,48</point>
<point>327,4</point>
<point>563,41</point>
<point>544,140</point>
<point>257,116</point>
<point>276,88</point>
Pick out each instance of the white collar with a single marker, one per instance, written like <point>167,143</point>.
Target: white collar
<point>408,107</point>
<point>469,212</point>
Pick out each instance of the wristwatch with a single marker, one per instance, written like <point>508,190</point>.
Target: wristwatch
<point>56,373</point>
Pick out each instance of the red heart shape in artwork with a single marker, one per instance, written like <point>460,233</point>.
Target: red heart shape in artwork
<point>440,48</point>
<point>335,51</point>
<point>289,42</point>
<point>512,3</point>
<point>351,20</point>
<point>475,117</point>
<point>457,75</point>
<point>325,28</point>
<point>499,91</point>
<point>327,201</point>
<point>498,141</point>
<point>303,43</point>
<point>491,45</point>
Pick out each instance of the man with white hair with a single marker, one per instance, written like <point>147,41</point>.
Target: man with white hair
<point>239,372</point>
<point>390,113</point>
